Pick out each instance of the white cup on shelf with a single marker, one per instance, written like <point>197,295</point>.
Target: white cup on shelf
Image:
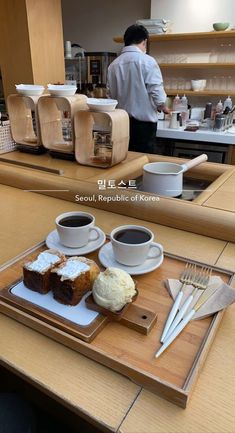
<point>198,85</point>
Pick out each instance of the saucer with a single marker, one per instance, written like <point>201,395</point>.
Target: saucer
<point>107,259</point>
<point>53,241</point>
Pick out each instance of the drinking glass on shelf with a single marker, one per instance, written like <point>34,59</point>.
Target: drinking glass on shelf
<point>167,82</point>
<point>213,57</point>
<point>209,83</point>
<point>213,83</point>
<point>164,59</point>
<point>182,58</point>
<point>181,83</point>
<point>222,56</point>
<point>174,58</point>
<point>187,84</point>
<point>229,83</point>
<point>174,83</point>
<point>222,83</point>
<point>229,53</point>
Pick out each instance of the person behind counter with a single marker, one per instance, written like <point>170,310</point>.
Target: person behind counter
<point>134,79</point>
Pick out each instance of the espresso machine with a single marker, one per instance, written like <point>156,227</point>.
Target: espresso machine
<point>90,72</point>
<point>97,66</point>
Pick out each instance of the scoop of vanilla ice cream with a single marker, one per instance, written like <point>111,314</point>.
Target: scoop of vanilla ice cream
<point>113,289</point>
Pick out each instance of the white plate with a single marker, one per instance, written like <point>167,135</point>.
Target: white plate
<point>107,259</point>
<point>53,241</point>
<point>78,314</point>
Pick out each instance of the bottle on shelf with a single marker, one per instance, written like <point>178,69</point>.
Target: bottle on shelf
<point>176,103</point>
<point>184,103</point>
<point>208,110</point>
<point>228,103</point>
<point>219,107</point>
<point>184,110</point>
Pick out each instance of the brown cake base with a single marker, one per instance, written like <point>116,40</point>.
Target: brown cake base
<point>37,282</point>
<point>70,292</point>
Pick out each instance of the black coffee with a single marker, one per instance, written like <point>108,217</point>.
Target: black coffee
<point>75,221</point>
<point>132,236</point>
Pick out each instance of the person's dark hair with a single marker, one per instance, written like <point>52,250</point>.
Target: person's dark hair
<point>135,34</point>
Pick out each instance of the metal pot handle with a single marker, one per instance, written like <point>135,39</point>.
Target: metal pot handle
<point>193,162</point>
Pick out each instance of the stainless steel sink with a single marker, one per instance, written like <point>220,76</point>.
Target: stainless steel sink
<point>192,188</point>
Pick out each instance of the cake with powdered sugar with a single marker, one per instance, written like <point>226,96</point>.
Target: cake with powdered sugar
<point>72,279</point>
<point>36,273</point>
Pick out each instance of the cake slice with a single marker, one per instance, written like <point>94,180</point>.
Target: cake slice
<point>72,279</point>
<point>36,273</point>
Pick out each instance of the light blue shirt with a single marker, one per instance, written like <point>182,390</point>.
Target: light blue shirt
<point>135,80</point>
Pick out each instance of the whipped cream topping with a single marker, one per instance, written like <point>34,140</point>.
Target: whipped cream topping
<point>43,262</point>
<point>72,269</point>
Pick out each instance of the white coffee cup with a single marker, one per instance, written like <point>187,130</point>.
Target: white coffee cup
<point>127,251</point>
<point>75,229</point>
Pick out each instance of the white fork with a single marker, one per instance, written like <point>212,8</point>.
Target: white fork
<point>208,291</point>
<point>185,278</point>
<point>199,281</point>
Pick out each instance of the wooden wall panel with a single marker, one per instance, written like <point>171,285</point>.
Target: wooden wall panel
<point>15,57</point>
<point>46,40</point>
<point>31,43</point>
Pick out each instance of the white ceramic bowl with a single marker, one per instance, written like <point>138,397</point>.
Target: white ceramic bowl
<point>198,85</point>
<point>29,89</point>
<point>61,89</point>
<point>100,104</point>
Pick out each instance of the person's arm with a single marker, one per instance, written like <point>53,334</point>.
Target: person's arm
<point>154,86</point>
<point>108,88</point>
<point>164,108</point>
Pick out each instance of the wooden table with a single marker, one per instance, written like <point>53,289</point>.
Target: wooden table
<point>101,396</point>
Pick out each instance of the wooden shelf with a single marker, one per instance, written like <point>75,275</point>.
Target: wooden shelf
<point>200,93</point>
<point>196,65</point>
<point>186,36</point>
<point>177,66</point>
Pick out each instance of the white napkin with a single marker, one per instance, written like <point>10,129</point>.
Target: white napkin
<point>222,298</point>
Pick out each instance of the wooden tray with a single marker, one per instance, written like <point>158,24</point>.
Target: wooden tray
<point>133,316</point>
<point>173,375</point>
<point>86,333</point>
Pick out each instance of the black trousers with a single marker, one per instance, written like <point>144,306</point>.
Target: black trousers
<point>16,414</point>
<point>142,136</point>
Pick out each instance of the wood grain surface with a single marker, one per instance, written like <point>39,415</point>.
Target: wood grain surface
<point>20,115</point>
<point>34,60</point>
<point>223,198</point>
<point>98,394</point>
<point>124,349</point>
<point>50,120</point>
<point>94,392</point>
<point>211,409</point>
<point>73,170</point>
<point>166,211</point>
<point>86,333</point>
<point>117,122</point>
<point>16,238</point>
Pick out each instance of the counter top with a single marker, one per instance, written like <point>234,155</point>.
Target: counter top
<point>63,167</point>
<point>172,212</point>
<point>210,136</point>
<point>96,393</point>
